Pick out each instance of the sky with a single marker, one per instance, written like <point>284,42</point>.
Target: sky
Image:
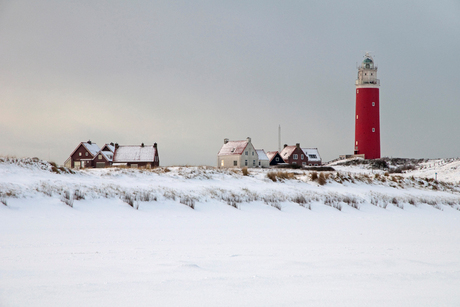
<point>187,74</point>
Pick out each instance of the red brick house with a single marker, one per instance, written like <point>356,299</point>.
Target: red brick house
<point>88,154</point>
<point>136,155</point>
<point>294,155</point>
<point>83,155</point>
<point>104,158</point>
<point>314,159</point>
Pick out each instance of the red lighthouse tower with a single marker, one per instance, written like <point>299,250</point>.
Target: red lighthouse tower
<point>367,120</point>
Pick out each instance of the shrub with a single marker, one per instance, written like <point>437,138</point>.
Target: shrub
<point>314,176</point>
<point>322,179</point>
<point>78,195</point>
<point>67,199</point>
<point>131,200</point>
<point>271,176</point>
<point>245,171</point>
<point>188,201</point>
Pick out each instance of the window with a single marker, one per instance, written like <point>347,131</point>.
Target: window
<point>356,116</point>
<point>304,163</point>
<point>373,104</point>
<point>86,154</point>
<point>235,163</point>
<point>301,157</point>
<point>221,162</point>
<point>100,156</point>
<point>259,163</point>
<point>252,153</point>
<point>356,143</point>
<point>357,91</point>
<point>233,150</point>
<point>253,162</point>
<point>294,163</point>
<point>79,154</point>
<point>277,159</point>
<point>373,129</point>
<point>295,157</point>
<point>246,153</point>
<point>246,162</point>
<point>312,156</point>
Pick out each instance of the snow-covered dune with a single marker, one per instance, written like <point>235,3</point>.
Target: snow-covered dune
<point>207,237</point>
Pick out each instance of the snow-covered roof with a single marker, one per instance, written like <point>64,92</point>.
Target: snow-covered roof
<point>287,151</point>
<point>233,148</point>
<point>108,155</point>
<point>92,148</point>
<point>110,147</point>
<point>261,154</point>
<point>312,154</point>
<point>134,153</point>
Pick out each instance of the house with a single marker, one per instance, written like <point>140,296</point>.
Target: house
<point>104,157</point>
<point>237,154</point>
<point>83,155</point>
<point>314,159</point>
<point>263,159</point>
<point>294,155</point>
<point>274,158</point>
<point>136,155</point>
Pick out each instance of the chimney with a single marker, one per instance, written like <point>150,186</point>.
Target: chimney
<point>155,145</point>
<point>249,139</point>
<point>116,146</point>
<point>111,143</point>
<point>89,142</point>
<point>297,145</point>
<point>285,145</point>
<point>142,145</point>
<point>225,141</point>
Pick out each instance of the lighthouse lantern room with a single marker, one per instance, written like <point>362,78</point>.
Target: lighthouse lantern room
<point>367,120</point>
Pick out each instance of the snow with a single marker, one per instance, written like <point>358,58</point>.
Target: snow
<point>103,252</point>
<point>108,155</point>
<point>261,154</point>
<point>134,154</point>
<point>92,148</point>
<point>312,154</point>
<point>233,148</point>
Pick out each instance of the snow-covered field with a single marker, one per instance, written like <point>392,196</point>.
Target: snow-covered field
<point>362,239</point>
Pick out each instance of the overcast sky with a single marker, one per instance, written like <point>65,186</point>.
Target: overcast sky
<point>187,74</point>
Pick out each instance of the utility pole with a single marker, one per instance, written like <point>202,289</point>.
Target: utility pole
<point>279,138</point>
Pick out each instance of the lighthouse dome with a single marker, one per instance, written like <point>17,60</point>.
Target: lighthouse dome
<point>368,62</point>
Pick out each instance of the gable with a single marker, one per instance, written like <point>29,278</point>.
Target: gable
<point>85,151</point>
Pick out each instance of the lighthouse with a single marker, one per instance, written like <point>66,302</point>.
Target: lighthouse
<point>367,117</point>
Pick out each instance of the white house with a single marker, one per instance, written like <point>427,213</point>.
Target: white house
<point>237,154</point>
<point>264,161</point>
